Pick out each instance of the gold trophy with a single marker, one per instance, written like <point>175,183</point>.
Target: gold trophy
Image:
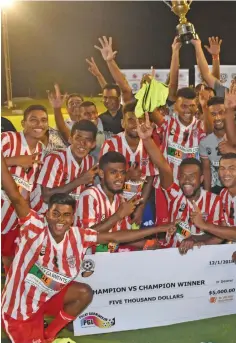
<point>185,30</point>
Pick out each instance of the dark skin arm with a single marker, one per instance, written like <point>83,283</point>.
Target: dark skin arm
<point>19,203</point>
<point>174,70</point>
<point>214,50</point>
<point>129,235</point>
<point>57,100</point>
<point>84,179</point>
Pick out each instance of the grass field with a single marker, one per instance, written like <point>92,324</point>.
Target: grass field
<point>216,330</point>
<point>22,104</point>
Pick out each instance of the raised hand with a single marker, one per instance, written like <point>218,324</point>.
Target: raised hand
<point>93,68</point>
<point>176,45</point>
<point>56,99</point>
<point>204,96</point>
<point>144,129</point>
<point>88,177</point>
<point>230,99</point>
<point>214,45</point>
<point>126,208</point>
<point>106,48</point>
<point>225,148</point>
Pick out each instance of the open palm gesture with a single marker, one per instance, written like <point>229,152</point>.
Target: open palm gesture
<point>214,45</point>
<point>106,48</point>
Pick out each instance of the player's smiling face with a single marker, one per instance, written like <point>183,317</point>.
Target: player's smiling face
<point>218,116</point>
<point>60,218</point>
<point>129,124</point>
<point>82,142</point>
<point>186,109</point>
<point>36,124</point>
<point>227,172</point>
<point>113,177</point>
<point>190,180</point>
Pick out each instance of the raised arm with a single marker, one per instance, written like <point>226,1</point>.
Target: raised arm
<point>93,69</point>
<point>109,56</point>
<point>230,107</point>
<point>202,63</point>
<point>145,131</point>
<point>214,50</point>
<point>174,70</point>
<point>204,96</point>
<point>57,100</point>
<point>9,186</point>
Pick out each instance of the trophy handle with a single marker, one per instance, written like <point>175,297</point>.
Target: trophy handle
<point>189,3</point>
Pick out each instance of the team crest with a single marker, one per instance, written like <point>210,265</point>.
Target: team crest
<point>71,261</point>
<point>195,133</point>
<point>182,207</point>
<point>172,132</point>
<point>208,150</point>
<point>43,251</point>
<point>144,162</point>
<point>204,216</point>
<point>103,217</point>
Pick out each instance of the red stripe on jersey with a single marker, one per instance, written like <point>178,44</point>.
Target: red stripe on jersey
<point>29,307</point>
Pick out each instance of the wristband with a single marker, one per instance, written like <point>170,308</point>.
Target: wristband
<point>215,57</point>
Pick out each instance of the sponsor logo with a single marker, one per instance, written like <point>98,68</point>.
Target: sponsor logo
<point>223,77</point>
<point>87,267</point>
<point>92,319</point>
<point>224,298</point>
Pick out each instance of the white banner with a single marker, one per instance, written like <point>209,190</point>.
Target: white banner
<point>134,77</point>
<point>227,73</point>
<point>137,290</point>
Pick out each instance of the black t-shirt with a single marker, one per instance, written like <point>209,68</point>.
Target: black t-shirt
<point>6,125</point>
<point>110,123</point>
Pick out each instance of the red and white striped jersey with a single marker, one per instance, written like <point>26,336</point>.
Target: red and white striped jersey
<point>229,207</point>
<point>180,142</point>
<point>94,206</point>
<point>59,168</point>
<point>140,156</point>
<point>42,267</point>
<point>15,144</point>
<point>180,207</point>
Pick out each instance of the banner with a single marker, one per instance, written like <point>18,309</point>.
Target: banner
<point>137,290</point>
<point>227,73</point>
<point>134,77</point>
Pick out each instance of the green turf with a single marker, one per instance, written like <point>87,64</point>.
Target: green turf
<point>22,104</point>
<point>215,330</point>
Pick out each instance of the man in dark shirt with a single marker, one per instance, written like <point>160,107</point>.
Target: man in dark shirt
<point>6,125</point>
<point>111,119</point>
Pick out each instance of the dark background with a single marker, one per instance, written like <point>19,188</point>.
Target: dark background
<point>49,41</point>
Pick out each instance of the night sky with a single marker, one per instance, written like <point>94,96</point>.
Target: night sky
<point>49,41</point>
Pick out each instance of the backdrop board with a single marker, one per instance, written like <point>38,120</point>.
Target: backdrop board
<point>135,290</point>
<point>227,73</point>
<point>134,76</point>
